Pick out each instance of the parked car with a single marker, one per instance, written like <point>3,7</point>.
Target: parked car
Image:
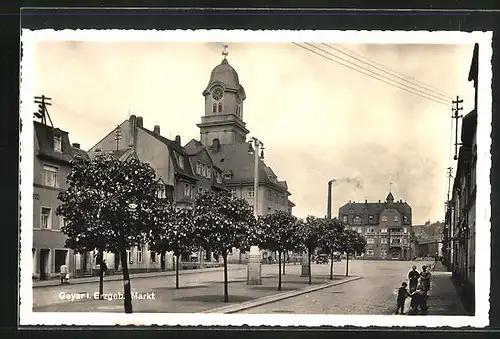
<point>322,259</point>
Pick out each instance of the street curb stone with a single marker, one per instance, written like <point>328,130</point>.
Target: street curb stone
<point>116,277</point>
<point>276,297</point>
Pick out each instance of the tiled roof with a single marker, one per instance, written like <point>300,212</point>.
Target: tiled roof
<point>45,137</point>
<point>235,157</point>
<point>365,209</point>
<point>172,145</point>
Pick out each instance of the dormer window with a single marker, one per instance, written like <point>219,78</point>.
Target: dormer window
<point>227,176</point>
<point>180,159</point>
<point>57,143</point>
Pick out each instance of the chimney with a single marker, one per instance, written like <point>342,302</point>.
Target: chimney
<point>139,121</point>
<point>132,123</point>
<point>329,200</point>
<point>156,130</point>
<point>216,145</point>
<point>366,201</point>
<point>76,145</point>
<point>379,201</point>
<point>178,139</point>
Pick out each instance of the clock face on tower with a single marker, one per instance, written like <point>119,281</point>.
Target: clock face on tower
<point>217,93</point>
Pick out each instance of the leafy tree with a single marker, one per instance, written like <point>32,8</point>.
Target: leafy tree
<point>175,233</point>
<point>310,233</point>
<point>279,229</point>
<point>352,243</point>
<point>223,222</point>
<point>110,206</point>
<point>331,239</point>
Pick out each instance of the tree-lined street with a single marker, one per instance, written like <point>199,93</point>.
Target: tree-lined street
<point>374,293</point>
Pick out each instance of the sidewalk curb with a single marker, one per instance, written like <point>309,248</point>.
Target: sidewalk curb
<point>276,297</point>
<point>116,277</point>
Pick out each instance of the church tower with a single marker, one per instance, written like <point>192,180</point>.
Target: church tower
<point>224,96</point>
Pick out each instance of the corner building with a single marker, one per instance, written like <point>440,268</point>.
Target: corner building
<point>387,227</point>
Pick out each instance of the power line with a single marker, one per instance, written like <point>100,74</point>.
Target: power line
<point>393,73</point>
<point>357,70</point>
<point>378,74</point>
<point>447,95</point>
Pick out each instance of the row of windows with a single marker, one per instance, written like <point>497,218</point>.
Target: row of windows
<point>382,230</point>
<point>217,108</point>
<point>357,219</point>
<point>278,198</point>
<point>386,241</point>
<point>46,218</point>
<point>204,170</point>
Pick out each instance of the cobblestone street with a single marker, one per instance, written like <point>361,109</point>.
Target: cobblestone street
<point>374,294</point>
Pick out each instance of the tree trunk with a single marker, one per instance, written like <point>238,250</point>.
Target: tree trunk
<point>100,258</point>
<point>177,272</point>
<point>331,266</point>
<point>226,294</point>
<point>347,265</point>
<point>279,270</point>
<point>126,280</point>
<point>310,268</point>
<point>284,262</point>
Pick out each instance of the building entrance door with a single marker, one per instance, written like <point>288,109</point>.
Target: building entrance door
<point>44,264</point>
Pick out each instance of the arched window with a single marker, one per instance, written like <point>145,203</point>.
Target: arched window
<point>214,108</point>
<point>220,107</point>
<point>238,111</point>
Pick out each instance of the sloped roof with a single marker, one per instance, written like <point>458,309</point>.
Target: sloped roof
<point>45,136</point>
<point>375,208</point>
<point>235,157</point>
<point>172,145</point>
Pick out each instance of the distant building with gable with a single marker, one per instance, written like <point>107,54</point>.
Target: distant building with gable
<point>386,225</point>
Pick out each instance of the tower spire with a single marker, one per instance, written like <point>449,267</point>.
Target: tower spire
<point>225,52</point>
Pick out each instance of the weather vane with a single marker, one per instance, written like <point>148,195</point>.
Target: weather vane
<point>225,52</point>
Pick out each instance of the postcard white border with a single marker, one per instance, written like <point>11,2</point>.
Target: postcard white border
<point>481,318</point>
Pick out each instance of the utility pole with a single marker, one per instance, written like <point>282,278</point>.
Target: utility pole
<point>455,116</point>
<point>43,113</point>
<point>450,175</point>
<point>118,136</point>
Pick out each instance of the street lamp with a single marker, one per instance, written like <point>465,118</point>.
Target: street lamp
<point>254,266</point>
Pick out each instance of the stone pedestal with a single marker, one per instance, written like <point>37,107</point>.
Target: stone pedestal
<point>305,265</point>
<point>254,267</point>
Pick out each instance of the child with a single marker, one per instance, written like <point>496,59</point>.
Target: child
<point>418,301</point>
<point>402,295</point>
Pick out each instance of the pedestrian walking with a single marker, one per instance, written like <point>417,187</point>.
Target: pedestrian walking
<point>425,279</point>
<point>413,277</point>
<point>402,295</point>
<point>64,274</point>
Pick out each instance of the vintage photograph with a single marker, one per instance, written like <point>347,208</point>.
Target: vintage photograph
<point>282,178</point>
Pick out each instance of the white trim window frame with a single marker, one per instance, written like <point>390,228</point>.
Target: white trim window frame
<point>58,143</point>
<point>50,176</point>
<point>46,218</point>
<point>198,168</point>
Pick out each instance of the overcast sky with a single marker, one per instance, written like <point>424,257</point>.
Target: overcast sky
<point>318,120</point>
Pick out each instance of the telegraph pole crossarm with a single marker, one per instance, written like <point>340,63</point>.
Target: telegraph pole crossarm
<point>43,113</point>
<point>455,116</point>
